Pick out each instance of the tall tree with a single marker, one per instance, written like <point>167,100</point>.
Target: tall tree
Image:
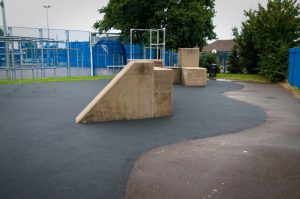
<point>234,61</point>
<point>245,40</point>
<point>268,33</point>
<point>188,22</point>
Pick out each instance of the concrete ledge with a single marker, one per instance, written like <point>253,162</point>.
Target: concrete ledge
<point>191,76</point>
<point>156,62</point>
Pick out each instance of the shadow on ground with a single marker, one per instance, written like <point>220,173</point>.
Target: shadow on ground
<point>44,154</point>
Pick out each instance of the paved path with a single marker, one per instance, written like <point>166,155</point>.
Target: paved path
<point>45,154</point>
<point>261,162</point>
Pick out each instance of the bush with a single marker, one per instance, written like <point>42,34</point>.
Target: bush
<point>273,65</point>
<point>234,61</point>
<point>207,59</point>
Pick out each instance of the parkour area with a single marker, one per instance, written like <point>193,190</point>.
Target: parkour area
<point>250,147</point>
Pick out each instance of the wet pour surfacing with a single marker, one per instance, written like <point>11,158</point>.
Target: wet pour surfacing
<point>45,154</point>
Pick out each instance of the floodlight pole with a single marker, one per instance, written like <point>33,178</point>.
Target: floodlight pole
<point>5,33</point>
<point>47,8</point>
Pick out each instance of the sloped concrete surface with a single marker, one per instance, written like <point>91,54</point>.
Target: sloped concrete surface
<point>139,91</point>
<point>129,95</point>
<point>45,154</point>
<point>261,162</point>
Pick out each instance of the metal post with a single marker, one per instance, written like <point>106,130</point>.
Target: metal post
<point>164,45</point>
<point>82,72</point>
<point>42,47</point>
<point>150,44</point>
<point>47,7</point>
<point>157,43</point>
<point>7,63</point>
<point>12,54</point>
<point>21,53</point>
<point>131,43</point>
<point>91,56</point>
<point>77,61</point>
<point>7,77</point>
<point>68,52</point>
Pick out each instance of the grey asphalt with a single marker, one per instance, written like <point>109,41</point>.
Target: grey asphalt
<point>257,163</point>
<point>45,154</point>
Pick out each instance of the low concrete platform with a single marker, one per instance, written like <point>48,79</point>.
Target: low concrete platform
<point>261,162</point>
<point>192,76</point>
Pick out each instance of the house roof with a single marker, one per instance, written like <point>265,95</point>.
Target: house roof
<point>219,45</point>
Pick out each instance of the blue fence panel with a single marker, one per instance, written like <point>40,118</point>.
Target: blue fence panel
<point>80,54</point>
<point>294,67</point>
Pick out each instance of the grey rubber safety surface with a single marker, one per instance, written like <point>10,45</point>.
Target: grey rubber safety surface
<point>45,154</point>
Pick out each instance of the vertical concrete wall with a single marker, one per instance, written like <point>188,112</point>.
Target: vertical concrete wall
<point>163,92</point>
<point>132,94</point>
<point>176,74</point>
<point>188,57</point>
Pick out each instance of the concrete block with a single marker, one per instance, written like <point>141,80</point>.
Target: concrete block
<point>188,57</point>
<point>158,63</point>
<point>163,92</point>
<point>131,95</point>
<point>191,76</point>
<point>176,74</point>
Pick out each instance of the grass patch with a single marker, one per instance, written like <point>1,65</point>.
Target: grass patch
<point>52,79</point>
<point>243,77</point>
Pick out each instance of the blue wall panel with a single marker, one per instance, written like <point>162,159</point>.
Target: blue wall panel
<point>294,67</point>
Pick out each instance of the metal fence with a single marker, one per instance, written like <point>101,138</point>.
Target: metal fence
<point>36,52</point>
<point>294,67</point>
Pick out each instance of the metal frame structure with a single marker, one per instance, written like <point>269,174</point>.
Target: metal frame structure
<point>38,46</point>
<point>156,45</point>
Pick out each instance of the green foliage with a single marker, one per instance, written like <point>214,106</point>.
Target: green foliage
<point>244,77</point>
<point>188,22</point>
<point>267,35</point>
<point>207,59</point>
<point>234,61</point>
<point>249,54</point>
<point>274,64</point>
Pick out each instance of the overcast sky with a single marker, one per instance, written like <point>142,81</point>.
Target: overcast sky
<point>80,14</point>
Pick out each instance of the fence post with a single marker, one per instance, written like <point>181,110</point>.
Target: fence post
<point>68,52</point>
<point>91,55</point>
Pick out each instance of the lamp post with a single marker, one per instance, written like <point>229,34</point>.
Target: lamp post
<point>47,8</point>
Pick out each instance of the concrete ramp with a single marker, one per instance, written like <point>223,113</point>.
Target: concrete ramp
<point>131,95</point>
